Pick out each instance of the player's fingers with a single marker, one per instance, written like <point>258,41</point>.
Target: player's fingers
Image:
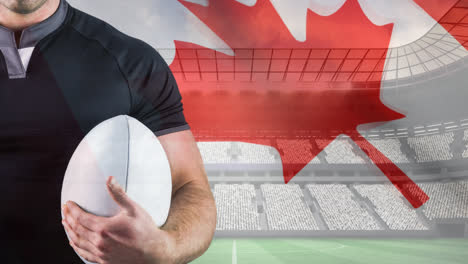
<point>79,241</point>
<point>88,256</point>
<point>82,231</point>
<point>90,221</point>
<point>120,197</point>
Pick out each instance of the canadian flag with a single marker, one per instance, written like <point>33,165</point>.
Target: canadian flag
<point>266,71</point>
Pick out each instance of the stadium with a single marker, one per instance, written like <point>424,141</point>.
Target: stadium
<point>340,208</point>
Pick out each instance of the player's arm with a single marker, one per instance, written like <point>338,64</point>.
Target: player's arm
<point>192,216</point>
<point>131,236</point>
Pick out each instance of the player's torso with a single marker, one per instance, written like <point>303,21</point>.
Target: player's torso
<point>71,85</point>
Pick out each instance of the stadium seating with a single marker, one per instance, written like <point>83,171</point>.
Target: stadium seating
<point>254,154</point>
<point>391,148</point>
<point>339,209</point>
<point>236,207</point>
<point>432,148</point>
<point>390,206</point>
<point>340,151</point>
<point>429,148</point>
<point>448,200</point>
<point>296,150</point>
<point>214,152</point>
<point>285,208</point>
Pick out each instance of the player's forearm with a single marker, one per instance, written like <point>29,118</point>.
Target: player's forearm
<point>191,221</point>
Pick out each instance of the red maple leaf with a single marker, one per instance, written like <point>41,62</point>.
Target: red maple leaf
<point>274,85</point>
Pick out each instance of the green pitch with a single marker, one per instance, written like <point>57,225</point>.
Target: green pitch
<point>334,251</point>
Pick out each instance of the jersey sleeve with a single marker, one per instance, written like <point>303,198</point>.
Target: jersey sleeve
<point>154,94</point>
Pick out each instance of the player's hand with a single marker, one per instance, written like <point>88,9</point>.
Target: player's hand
<point>131,236</point>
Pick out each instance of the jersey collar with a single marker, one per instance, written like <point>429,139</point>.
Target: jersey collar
<point>33,34</point>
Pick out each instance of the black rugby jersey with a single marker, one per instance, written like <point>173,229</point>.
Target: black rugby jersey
<point>68,73</point>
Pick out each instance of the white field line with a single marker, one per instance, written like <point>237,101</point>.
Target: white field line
<point>234,252</point>
<point>333,248</point>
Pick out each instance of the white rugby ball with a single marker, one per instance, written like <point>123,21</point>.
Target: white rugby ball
<point>126,149</point>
